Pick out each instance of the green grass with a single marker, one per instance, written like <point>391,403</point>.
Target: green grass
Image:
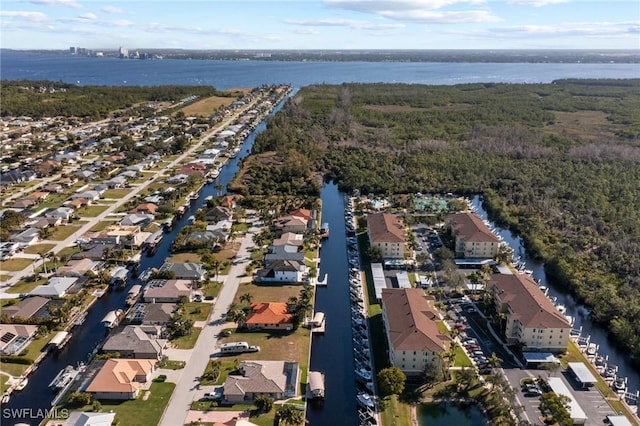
<point>187,342</point>
<point>171,365</point>
<point>116,193</point>
<point>36,347</point>
<point>62,232</point>
<point>69,251</point>
<point>442,327</point>
<point>15,370</point>
<point>91,211</point>
<point>461,360</point>
<point>211,289</point>
<point>38,248</point>
<point>4,277</point>
<point>101,226</point>
<point>197,311</point>
<point>138,412</point>
<point>394,412</point>
<point>17,264</point>
<point>23,286</point>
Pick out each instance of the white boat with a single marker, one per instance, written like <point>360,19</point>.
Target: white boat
<point>5,398</point>
<point>81,318</point>
<point>316,385</point>
<point>366,400</point>
<point>22,384</point>
<point>364,373</point>
<point>191,220</point>
<point>592,349</point>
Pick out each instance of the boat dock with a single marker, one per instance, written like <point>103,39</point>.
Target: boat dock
<point>317,323</point>
<point>315,385</point>
<point>323,281</point>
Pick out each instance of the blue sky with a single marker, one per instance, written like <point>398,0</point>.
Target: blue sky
<point>321,24</point>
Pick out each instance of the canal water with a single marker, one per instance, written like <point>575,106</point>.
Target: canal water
<point>448,414</point>
<point>579,312</point>
<point>332,352</point>
<point>27,406</point>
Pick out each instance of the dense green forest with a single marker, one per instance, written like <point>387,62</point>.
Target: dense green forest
<point>559,163</point>
<point>49,99</point>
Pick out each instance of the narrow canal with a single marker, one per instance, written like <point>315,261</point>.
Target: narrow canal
<point>332,353</point>
<point>579,312</point>
<point>28,406</point>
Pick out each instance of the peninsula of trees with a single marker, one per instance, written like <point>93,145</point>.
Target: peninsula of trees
<point>559,163</point>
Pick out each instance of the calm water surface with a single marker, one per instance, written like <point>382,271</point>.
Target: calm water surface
<point>446,414</point>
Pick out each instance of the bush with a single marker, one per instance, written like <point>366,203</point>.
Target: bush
<point>161,378</point>
<point>15,359</point>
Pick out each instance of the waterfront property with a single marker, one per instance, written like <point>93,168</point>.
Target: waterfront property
<point>386,233</point>
<point>532,320</point>
<point>473,238</point>
<point>135,341</point>
<point>276,379</point>
<point>410,322</point>
<point>15,337</point>
<point>270,316</point>
<point>121,378</point>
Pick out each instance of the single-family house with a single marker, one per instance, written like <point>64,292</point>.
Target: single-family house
<point>290,239</point>
<point>296,224</point>
<point>219,213</point>
<point>283,252</point>
<point>135,341</point>
<point>86,174</point>
<point>64,213</point>
<point>80,267</point>
<point>27,308</point>
<point>96,249</point>
<point>178,179</point>
<point>411,326</point>
<point>276,379</point>
<point>47,222</point>
<point>56,287</point>
<point>186,270</point>
<point>532,320</point>
<point>139,220</point>
<point>85,418</point>
<point>167,291</point>
<point>149,208</point>
<point>285,271</point>
<point>228,201</point>
<point>208,238</point>
<point>116,182</point>
<point>78,203</point>
<point>89,195</point>
<point>15,337</point>
<point>38,196</point>
<point>269,316</point>
<point>53,187</point>
<point>473,238</point>
<point>23,203</point>
<point>386,233</point>
<point>151,313</point>
<point>28,236</point>
<point>121,379</point>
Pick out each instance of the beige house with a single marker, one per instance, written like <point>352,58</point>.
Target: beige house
<point>386,232</point>
<point>276,379</point>
<point>472,236</point>
<point>532,320</point>
<point>122,378</point>
<point>410,321</point>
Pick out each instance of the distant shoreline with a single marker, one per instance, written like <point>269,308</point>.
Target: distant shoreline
<point>440,56</point>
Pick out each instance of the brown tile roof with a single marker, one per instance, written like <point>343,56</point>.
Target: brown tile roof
<point>121,375</point>
<point>305,213</point>
<point>412,321</point>
<point>470,227</point>
<point>145,208</point>
<point>529,305</point>
<point>269,313</point>
<point>385,228</point>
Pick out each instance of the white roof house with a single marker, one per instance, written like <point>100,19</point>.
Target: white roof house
<point>56,287</point>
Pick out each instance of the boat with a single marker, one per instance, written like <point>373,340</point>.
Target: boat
<point>366,400</point>
<point>592,349</point>
<point>113,318</point>
<point>22,384</point>
<point>80,319</point>
<point>191,220</point>
<point>133,295</point>
<point>620,385</point>
<point>63,378</point>
<point>364,374</point>
<point>324,231</point>
<point>5,398</point>
<point>153,240</point>
<point>315,385</point>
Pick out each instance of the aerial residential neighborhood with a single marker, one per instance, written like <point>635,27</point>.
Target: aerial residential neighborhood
<point>170,297</point>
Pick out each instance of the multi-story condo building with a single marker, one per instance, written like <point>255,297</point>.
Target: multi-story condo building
<point>532,320</point>
<point>386,232</point>
<point>472,236</point>
<point>410,322</point>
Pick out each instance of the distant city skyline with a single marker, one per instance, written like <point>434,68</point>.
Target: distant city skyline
<point>320,24</point>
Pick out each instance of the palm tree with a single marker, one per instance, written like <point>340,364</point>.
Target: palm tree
<point>288,415</point>
<point>246,298</point>
<point>495,360</point>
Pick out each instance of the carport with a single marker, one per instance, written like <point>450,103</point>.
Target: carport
<point>379,281</point>
<point>578,415</point>
<point>535,359</point>
<point>619,421</point>
<point>582,374</point>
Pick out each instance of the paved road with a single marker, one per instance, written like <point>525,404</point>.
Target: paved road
<point>186,390</point>
<point>18,275</point>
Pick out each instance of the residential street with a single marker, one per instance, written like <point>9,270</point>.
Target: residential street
<point>135,190</point>
<point>186,390</point>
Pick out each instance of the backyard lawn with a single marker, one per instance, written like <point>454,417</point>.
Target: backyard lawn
<point>267,292</point>
<point>293,345</point>
<point>197,311</point>
<point>139,412</point>
<point>15,264</point>
<point>91,211</point>
<point>101,226</point>
<point>116,193</point>
<point>63,232</point>
<point>23,286</point>
<point>38,248</point>
<point>187,342</point>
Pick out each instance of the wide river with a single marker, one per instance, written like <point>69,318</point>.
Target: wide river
<point>332,352</point>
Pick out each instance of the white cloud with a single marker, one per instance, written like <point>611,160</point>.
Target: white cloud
<point>28,16</point>
<point>535,3</point>
<point>88,17</point>
<point>349,23</point>
<point>572,29</point>
<point>425,11</point>
<point>65,3</point>
<point>306,31</point>
<point>112,9</point>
